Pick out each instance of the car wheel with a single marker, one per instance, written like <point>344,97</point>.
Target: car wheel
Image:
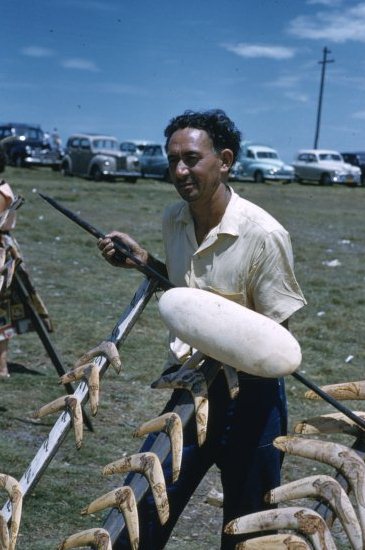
<point>131,179</point>
<point>17,161</point>
<point>259,177</point>
<point>96,173</point>
<point>326,179</point>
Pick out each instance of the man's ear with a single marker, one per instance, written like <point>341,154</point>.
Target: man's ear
<point>227,159</point>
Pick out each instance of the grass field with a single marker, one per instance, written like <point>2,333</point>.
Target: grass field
<point>85,296</point>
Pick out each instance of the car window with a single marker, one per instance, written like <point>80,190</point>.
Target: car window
<point>5,132</point>
<point>74,143</point>
<point>84,143</point>
<point>128,147</point>
<point>105,144</point>
<point>30,133</point>
<point>266,155</point>
<point>250,154</point>
<point>330,156</point>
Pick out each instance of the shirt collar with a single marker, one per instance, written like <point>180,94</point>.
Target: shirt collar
<point>229,223</point>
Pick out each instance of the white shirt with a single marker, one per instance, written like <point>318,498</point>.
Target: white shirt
<point>247,258</point>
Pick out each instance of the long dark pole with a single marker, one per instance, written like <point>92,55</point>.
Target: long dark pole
<point>167,284</point>
<point>22,290</point>
<point>121,248</point>
<point>319,109</point>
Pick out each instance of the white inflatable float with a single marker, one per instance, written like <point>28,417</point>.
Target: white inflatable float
<point>230,333</point>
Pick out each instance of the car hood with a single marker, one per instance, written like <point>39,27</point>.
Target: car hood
<point>351,168</point>
<point>113,153</point>
<point>274,163</point>
<point>338,166</point>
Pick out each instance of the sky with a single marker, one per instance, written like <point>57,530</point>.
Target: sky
<point>125,68</point>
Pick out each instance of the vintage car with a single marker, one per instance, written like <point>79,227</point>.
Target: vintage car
<point>2,159</point>
<point>98,156</point>
<point>27,145</point>
<point>325,167</point>
<point>133,146</point>
<point>356,159</point>
<point>260,163</point>
<point>154,163</point>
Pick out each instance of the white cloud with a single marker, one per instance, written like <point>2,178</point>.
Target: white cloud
<point>122,89</point>
<point>90,5</point>
<point>337,26</point>
<point>80,64</point>
<point>37,51</point>
<point>300,97</point>
<point>359,115</point>
<point>330,3</point>
<point>285,81</point>
<point>260,50</point>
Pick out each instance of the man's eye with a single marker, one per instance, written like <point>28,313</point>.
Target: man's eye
<point>191,160</point>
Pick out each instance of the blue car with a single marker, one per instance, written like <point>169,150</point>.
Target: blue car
<point>260,163</point>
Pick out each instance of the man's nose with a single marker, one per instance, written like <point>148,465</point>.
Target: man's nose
<point>181,168</point>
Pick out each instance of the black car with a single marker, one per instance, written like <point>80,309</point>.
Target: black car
<point>2,160</point>
<point>154,163</point>
<point>27,145</point>
<point>357,159</point>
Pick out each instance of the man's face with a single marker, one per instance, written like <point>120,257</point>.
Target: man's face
<point>195,168</point>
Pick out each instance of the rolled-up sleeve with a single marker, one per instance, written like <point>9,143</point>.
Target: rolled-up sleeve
<point>272,284</point>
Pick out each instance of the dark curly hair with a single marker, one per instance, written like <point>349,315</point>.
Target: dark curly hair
<point>220,128</point>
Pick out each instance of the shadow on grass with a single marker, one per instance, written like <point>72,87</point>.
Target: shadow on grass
<point>22,369</point>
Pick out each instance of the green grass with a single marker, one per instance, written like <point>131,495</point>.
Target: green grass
<point>85,296</point>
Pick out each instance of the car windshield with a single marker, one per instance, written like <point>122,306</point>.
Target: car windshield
<point>30,133</point>
<point>266,155</point>
<point>105,144</point>
<point>330,156</point>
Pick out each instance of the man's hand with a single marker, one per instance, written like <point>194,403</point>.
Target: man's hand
<point>107,248</point>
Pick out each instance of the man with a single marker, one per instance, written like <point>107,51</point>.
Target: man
<point>217,241</point>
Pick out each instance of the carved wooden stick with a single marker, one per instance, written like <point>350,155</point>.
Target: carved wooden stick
<point>98,537</point>
<point>50,446</point>
<point>338,456</point>
<point>274,542</point>
<point>124,501</point>
<point>149,465</point>
<point>329,490</point>
<point>170,423</point>
<point>12,487</point>
<point>304,520</point>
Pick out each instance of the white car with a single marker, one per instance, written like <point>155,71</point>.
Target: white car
<point>325,167</point>
<point>260,163</point>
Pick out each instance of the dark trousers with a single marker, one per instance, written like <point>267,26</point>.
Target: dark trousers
<point>239,441</point>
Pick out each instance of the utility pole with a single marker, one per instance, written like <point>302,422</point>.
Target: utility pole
<point>319,110</point>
